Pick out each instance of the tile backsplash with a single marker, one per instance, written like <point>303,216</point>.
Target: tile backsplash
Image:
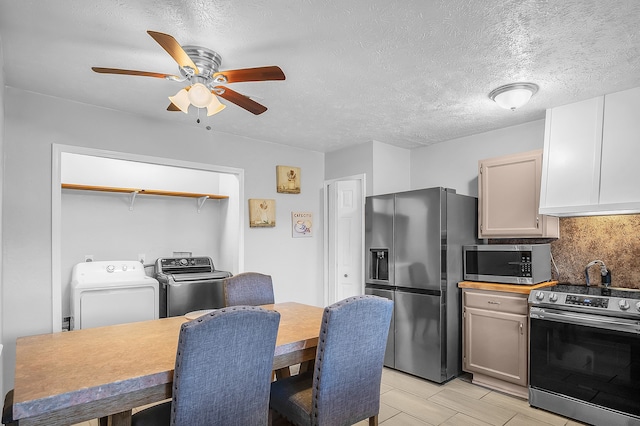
<point>613,239</point>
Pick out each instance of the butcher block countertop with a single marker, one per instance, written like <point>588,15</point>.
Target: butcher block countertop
<point>508,288</point>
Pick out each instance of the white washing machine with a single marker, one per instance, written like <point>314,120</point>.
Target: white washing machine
<point>112,292</point>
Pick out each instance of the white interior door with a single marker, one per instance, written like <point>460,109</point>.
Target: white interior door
<point>345,240</point>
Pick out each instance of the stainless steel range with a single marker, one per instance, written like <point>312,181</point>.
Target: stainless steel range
<point>189,284</point>
<point>585,353</point>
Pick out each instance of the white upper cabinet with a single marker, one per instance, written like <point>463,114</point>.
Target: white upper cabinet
<point>508,198</point>
<point>620,172</point>
<point>590,157</point>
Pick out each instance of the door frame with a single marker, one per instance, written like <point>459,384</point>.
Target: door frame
<point>327,231</point>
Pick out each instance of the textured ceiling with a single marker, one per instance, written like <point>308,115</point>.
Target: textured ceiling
<point>404,72</point>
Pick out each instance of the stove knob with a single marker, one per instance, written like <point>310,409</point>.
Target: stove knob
<point>184,262</point>
<point>111,268</point>
<point>553,297</point>
<point>637,306</point>
<point>539,295</point>
<point>623,304</point>
<point>124,267</point>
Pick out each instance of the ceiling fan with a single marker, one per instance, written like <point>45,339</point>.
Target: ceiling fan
<point>199,68</point>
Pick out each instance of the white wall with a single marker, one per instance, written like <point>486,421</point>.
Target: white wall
<point>101,224</point>
<point>454,164</point>
<point>351,161</point>
<point>2,95</point>
<point>35,122</point>
<point>101,171</point>
<point>392,168</point>
<point>386,167</point>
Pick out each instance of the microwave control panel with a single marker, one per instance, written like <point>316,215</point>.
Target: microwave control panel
<point>525,264</point>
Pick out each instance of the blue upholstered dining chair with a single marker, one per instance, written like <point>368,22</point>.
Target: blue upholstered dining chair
<point>344,387</point>
<point>248,288</point>
<point>222,372</point>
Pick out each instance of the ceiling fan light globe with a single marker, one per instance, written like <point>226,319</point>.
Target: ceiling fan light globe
<point>181,100</point>
<point>215,106</point>
<point>199,95</point>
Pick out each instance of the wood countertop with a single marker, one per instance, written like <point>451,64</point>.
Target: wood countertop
<point>508,288</point>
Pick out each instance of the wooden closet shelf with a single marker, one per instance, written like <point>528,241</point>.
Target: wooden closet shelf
<point>142,191</point>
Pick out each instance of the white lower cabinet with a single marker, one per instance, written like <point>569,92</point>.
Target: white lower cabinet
<point>495,339</point>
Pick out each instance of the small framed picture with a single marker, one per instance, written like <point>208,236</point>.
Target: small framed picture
<point>301,224</point>
<point>288,179</point>
<point>262,213</point>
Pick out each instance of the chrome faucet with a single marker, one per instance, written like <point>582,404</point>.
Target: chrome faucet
<point>604,272</point>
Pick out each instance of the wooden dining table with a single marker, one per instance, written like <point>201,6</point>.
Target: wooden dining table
<point>70,377</point>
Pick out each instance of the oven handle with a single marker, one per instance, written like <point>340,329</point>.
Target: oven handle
<point>598,321</point>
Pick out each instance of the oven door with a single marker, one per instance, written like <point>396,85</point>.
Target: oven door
<point>585,366</point>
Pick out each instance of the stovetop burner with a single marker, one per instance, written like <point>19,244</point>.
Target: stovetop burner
<point>593,299</point>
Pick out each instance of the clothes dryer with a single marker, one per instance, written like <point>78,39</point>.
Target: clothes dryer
<point>111,292</point>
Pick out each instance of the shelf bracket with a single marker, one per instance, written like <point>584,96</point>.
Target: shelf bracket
<point>201,201</point>
<point>132,198</point>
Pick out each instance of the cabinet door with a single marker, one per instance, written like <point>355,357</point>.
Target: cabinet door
<point>495,344</point>
<point>621,148</point>
<point>572,152</point>
<point>509,196</point>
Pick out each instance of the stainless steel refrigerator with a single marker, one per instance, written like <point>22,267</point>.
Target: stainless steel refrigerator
<point>413,244</point>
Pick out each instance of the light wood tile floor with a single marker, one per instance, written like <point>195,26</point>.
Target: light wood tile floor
<point>409,401</point>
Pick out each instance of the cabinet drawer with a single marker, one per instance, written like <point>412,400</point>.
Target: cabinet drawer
<point>496,301</point>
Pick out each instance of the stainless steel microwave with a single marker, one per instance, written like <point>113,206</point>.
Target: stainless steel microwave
<point>508,264</point>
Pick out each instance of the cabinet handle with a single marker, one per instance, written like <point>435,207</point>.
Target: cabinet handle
<point>537,222</point>
<point>491,302</point>
<point>521,329</point>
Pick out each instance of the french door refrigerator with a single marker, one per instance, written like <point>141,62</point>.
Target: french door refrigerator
<point>413,245</point>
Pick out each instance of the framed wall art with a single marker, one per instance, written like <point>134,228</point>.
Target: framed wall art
<point>301,224</point>
<point>262,213</point>
<point>288,179</point>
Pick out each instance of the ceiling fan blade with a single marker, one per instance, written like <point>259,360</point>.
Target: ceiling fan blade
<point>172,107</point>
<point>131,72</point>
<point>252,74</point>
<point>241,100</point>
<point>174,49</point>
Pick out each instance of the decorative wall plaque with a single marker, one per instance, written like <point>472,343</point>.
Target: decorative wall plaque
<point>262,213</point>
<point>288,179</point>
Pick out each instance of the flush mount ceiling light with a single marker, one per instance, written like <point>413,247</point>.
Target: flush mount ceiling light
<point>514,95</point>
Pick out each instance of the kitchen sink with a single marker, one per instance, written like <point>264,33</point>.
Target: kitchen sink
<point>597,290</point>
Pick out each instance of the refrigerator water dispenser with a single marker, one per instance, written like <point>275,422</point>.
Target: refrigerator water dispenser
<point>379,264</point>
